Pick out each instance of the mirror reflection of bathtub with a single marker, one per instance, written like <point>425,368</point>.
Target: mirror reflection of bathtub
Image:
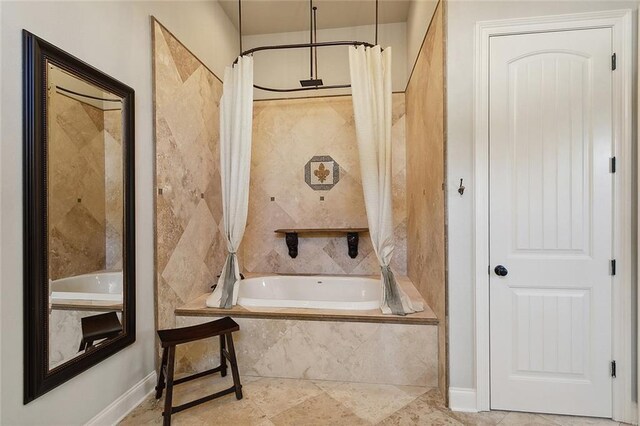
<point>74,298</point>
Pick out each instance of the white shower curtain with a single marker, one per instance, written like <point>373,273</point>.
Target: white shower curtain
<point>371,91</point>
<point>236,114</point>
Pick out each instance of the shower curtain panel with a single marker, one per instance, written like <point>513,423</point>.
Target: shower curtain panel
<point>236,116</point>
<point>371,91</point>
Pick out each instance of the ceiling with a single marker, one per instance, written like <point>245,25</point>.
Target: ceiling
<point>279,16</point>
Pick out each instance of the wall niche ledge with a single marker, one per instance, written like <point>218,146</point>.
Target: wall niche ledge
<point>291,237</point>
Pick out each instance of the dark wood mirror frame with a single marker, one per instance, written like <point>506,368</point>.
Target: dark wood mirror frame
<point>38,379</point>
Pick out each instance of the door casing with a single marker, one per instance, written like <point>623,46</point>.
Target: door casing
<point>624,408</point>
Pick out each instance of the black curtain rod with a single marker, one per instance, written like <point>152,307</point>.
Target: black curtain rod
<point>87,96</point>
<point>305,45</point>
<point>302,89</point>
<point>312,46</point>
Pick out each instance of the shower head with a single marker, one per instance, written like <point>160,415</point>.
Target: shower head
<point>312,82</point>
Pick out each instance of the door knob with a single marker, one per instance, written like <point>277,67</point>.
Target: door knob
<point>501,271</point>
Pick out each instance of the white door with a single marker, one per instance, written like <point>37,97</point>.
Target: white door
<point>551,141</point>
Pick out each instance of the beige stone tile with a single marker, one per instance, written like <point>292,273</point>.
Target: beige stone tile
<point>414,391</point>
<point>319,410</point>
<point>424,410</point>
<point>226,410</point>
<point>149,412</point>
<point>185,271</point>
<point>488,418</point>
<point>172,230</point>
<point>274,396</point>
<point>435,418</point>
<point>525,419</point>
<point>328,385</point>
<point>185,62</point>
<point>371,402</point>
<point>576,421</point>
<point>278,158</point>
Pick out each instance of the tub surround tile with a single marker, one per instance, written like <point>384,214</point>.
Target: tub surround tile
<point>186,63</point>
<point>197,307</point>
<point>166,70</point>
<point>425,176</point>
<point>286,134</point>
<point>190,247</point>
<point>352,351</point>
<point>186,273</point>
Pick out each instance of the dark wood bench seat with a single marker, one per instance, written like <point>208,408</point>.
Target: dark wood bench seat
<point>169,338</point>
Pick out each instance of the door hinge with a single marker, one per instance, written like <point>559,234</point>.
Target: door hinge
<point>613,369</point>
<point>614,62</point>
<point>613,164</point>
<point>613,266</point>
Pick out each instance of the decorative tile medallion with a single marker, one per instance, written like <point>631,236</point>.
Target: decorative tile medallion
<point>321,173</point>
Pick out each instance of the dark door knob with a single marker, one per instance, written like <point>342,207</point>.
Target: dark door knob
<point>501,271</point>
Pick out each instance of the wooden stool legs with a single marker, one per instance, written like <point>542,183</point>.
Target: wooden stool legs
<point>234,367</point>
<point>166,380</point>
<point>169,396</point>
<point>223,358</point>
<point>161,375</point>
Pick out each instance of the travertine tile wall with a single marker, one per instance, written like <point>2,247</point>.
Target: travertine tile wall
<point>399,354</point>
<point>286,135</point>
<point>113,182</point>
<point>190,248</point>
<point>76,187</point>
<point>425,178</point>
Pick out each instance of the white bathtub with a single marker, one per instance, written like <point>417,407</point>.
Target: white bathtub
<point>96,286</point>
<point>319,292</point>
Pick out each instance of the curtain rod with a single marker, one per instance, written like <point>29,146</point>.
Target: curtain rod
<point>305,45</point>
<point>87,96</point>
<point>312,46</point>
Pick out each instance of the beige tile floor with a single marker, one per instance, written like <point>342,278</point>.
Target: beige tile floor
<point>269,401</point>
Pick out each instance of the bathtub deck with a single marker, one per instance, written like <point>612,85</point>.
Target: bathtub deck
<point>199,308</point>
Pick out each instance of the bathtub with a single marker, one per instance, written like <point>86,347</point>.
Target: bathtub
<point>96,287</point>
<point>315,291</point>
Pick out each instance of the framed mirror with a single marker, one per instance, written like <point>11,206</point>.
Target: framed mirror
<point>79,247</point>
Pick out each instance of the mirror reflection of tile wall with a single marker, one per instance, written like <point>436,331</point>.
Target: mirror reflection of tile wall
<point>84,213</point>
<point>85,187</point>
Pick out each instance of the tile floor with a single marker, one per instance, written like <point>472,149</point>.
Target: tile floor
<point>269,401</point>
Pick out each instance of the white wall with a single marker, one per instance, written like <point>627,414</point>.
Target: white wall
<point>116,38</point>
<point>418,20</point>
<point>284,68</point>
<point>462,16</point>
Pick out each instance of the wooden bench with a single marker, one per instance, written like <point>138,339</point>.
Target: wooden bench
<point>99,327</point>
<point>171,337</point>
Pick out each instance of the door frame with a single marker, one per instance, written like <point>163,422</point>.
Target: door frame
<point>620,21</point>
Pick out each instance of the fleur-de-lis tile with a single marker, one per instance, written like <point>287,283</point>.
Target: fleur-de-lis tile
<point>321,173</point>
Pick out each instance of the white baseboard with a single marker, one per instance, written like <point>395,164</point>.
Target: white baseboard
<point>125,403</point>
<point>463,399</point>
